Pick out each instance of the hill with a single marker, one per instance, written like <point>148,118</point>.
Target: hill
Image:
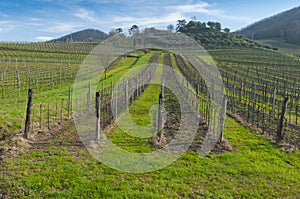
<point>283,26</point>
<point>83,35</point>
<point>211,35</point>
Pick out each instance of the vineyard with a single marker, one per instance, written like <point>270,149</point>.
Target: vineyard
<point>259,84</point>
<point>262,103</point>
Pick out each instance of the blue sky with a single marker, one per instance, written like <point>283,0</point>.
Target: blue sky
<point>37,20</point>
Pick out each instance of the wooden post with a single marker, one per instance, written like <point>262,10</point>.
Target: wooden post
<point>48,117</point>
<point>241,91</point>
<point>197,104</point>
<point>88,96</point>
<point>28,113</point>
<point>159,118</point>
<point>69,103</point>
<point>61,109</point>
<point>98,126</point>
<point>281,120</point>
<point>116,101</point>
<point>253,102</point>
<point>41,115</point>
<point>233,100</point>
<point>222,119</point>
<point>274,101</point>
<point>126,94</point>
<point>297,108</point>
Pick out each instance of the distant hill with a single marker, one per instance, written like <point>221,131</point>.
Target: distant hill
<point>91,35</point>
<point>211,35</point>
<point>284,26</point>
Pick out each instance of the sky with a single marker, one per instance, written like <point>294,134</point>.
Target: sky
<point>40,20</point>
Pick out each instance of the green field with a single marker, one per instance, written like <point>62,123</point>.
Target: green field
<point>53,163</point>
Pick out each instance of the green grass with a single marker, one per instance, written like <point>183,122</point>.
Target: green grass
<point>286,47</point>
<point>139,112</point>
<point>13,110</point>
<point>61,169</point>
<point>255,169</point>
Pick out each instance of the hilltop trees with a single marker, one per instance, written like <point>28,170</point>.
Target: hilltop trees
<point>190,27</point>
<point>134,30</point>
<point>115,31</point>
<point>227,30</point>
<point>119,30</point>
<point>194,26</point>
<point>210,34</point>
<point>181,25</point>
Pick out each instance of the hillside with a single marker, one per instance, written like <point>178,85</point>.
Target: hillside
<point>212,35</point>
<point>284,26</point>
<point>83,35</point>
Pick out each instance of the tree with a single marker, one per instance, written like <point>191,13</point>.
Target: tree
<point>227,30</point>
<point>170,28</point>
<point>211,24</point>
<point>218,26</point>
<point>134,30</point>
<point>119,30</point>
<point>180,27</point>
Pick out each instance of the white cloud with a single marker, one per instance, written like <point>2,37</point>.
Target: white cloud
<point>175,13</point>
<point>62,27</point>
<point>202,8</point>
<point>148,21</point>
<point>238,18</point>
<point>6,26</point>
<point>86,15</point>
<point>33,19</point>
<point>208,9</point>
<point>44,38</point>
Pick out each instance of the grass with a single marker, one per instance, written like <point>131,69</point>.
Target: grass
<point>255,169</point>
<point>13,110</point>
<point>286,47</point>
<point>61,169</point>
<point>139,112</point>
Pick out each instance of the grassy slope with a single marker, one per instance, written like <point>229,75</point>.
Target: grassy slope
<point>286,47</point>
<point>139,112</point>
<point>13,110</point>
<point>255,169</point>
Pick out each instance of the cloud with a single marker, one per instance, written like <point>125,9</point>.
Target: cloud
<point>3,15</point>
<point>33,19</point>
<point>173,13</point>
<point>238,18</point>
<point>62,27</point>
<point>202,8</point>
<point>208,9</point>
<point>148,21</point>
<point>44,38</point>
<point>6,26</point>
<point>85,14</point>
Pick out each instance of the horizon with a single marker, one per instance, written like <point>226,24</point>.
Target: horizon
<point>41,20</point>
